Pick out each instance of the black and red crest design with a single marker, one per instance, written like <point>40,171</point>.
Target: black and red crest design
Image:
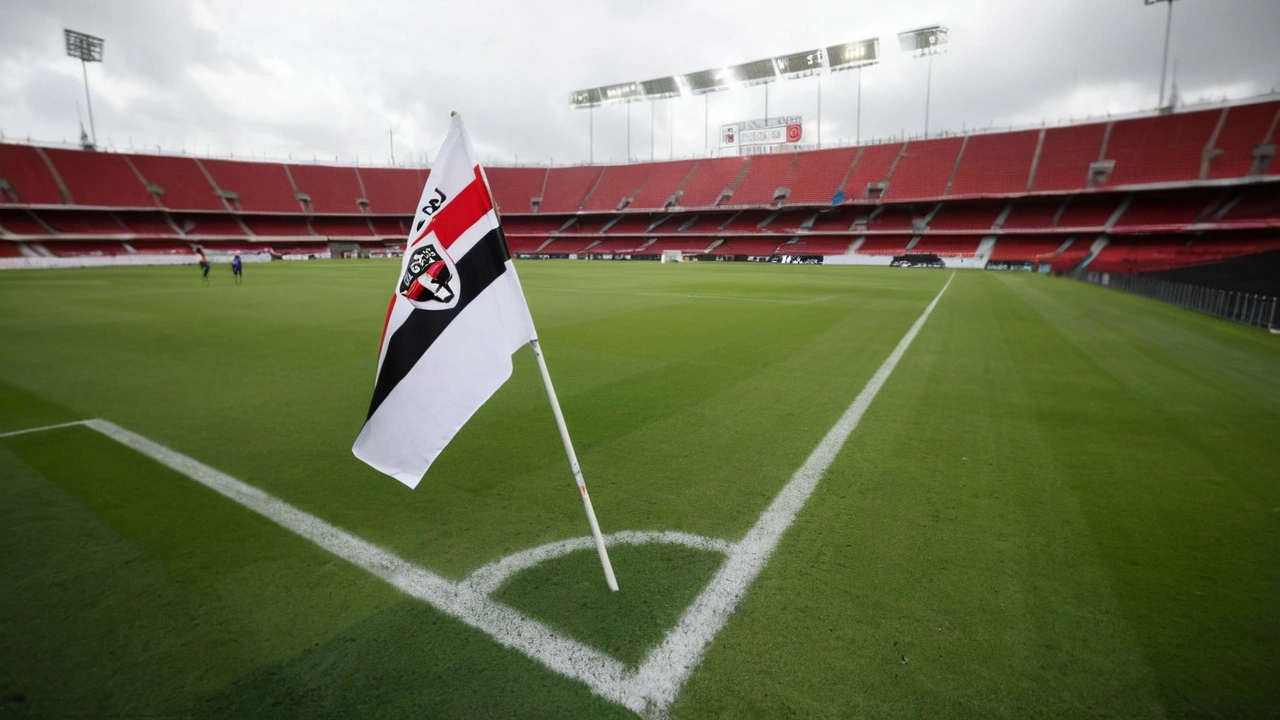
<point>430,279</point>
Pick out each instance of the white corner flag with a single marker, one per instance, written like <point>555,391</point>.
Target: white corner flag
<point>456,316</point>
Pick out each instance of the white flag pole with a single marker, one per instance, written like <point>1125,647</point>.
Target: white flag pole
<point>573,465</point>
<point>564,430</point>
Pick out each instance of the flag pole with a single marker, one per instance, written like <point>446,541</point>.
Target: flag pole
<point>560,424</point>
<point>573,465</point>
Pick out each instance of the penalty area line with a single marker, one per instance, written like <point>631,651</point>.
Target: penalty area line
<point>15,433</point>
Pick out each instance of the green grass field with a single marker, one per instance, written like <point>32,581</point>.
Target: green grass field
<point>1065,501</point>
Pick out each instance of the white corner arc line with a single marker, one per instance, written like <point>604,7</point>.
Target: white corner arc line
<point>667,667</point>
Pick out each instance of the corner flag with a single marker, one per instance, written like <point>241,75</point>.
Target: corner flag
<point>455,317</point>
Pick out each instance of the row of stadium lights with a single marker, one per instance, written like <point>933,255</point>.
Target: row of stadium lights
<point>922,42</point>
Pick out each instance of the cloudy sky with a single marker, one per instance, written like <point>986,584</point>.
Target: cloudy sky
<point>328,79</point>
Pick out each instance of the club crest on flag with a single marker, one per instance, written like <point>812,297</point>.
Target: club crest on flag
<point>430,279</point>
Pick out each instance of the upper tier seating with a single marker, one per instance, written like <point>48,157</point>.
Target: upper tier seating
<point>710,179</point>
<point>871,166</point>
<point>567,188</point>
<point>763,178</point>
<point>618,183</point>
<point>664,179</point>
<point>100,179</point>
<point>515,188</point>
<point>1065,157</point>
<point>924,170</point>
<point>1246,127</point>
<point>815,176</point>
<point>393,191</point>
<point>1161,148</point>
<point>330,189</point>
<point>995,163</point>
<point>260,187</point>
<point>182,182</point>
<point>28,176</point>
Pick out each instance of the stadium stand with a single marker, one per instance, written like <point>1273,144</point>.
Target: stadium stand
<point>924,169</point>
<point>1163,191</point>
<point>567,188</point>
<point>1065,156</point>
<point>182,183</point>
<point>100,179</point>
<point>328,188</point>
<point>28,177</point>
<point>995,164</point>
<point>256,187</point>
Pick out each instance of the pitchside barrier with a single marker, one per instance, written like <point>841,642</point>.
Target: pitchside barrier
<point>1245,308</point>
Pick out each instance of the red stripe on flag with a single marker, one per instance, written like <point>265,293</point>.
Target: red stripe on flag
<point>386,322</point>
<point>464,210</point>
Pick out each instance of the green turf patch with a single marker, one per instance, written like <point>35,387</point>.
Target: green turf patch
<point>569,594</point>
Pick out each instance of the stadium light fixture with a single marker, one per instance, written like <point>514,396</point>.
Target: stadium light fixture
<point>1164,61</point>
<point>851,56</point>
<point>924,42</point>
<point>86,48</point>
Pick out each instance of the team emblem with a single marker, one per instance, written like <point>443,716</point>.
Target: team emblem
<point>430,279</point>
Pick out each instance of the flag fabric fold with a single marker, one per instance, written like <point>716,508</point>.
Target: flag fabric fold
<point>456,315</point>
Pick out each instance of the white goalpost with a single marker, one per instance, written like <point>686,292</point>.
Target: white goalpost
<point>672,256</point>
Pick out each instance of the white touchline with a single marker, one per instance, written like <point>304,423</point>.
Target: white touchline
<point>649,690</point>
<point>667,667</point>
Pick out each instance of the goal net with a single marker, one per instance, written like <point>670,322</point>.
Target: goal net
<point>672,256</point>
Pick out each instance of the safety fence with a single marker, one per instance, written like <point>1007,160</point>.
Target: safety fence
<point>1245,308</point>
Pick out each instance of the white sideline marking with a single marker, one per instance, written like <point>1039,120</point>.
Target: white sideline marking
<point>14,433</point>
<point>653,687</point>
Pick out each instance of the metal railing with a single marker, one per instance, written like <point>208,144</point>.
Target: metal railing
<point>1240,307</point>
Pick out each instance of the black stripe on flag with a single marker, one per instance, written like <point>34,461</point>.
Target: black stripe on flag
<point>476,271</point>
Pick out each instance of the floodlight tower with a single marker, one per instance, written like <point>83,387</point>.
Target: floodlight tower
<point>852,56</point>
<point>87,49</point>
<point>1164,62</point>
<point>924,42</point>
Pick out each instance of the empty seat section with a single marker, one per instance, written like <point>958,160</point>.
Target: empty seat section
<point>567,187</point>
<point>568,245</point>
<point>70,248</point>
<point>948,246</point>
<point>1260,202</point>
<point>884,245</point>
<point>589,224</point>
<point>746,246</point>
<point>1066,155</point>
<point>703,223</point>
<point>74,222</point>
<point>871,167</point>
<point>617,183</point>
<point>397,228</point>
<point>337,227</point>
<point>277,226</point>
<point>146,224</point>
<point>837,220</point>
<point>898,217</point>
<point>100,179</point>
<point>1033,213</point>
<point>764,176</point>
<point>1159,149</point>
<point>526,244</point>
<point>10,249</point>
<point>632,224</point>
<point>1069,257</point>
<point>997,163</point>
<point>527,224</point>
<point>331,189</point>
<point>209,225</point>
<point>1088,211</point>
<point>789,220</point>
<point>184,184</point>
<point>260,187</point>
<point>1164,211</point>
<point>1246,128</point>
<point>747,221</point>
<point>393,190</point>
<point>663,180</point>
<point>1012,248</point>
<point>21,222</point>
<point>709,181</point>
<point>966,216</point>
<point>514,188</point>
<point>817,245</point>
<point>689,245</point>
<point>28,176</point>
<point>617,246</point>
<point>815,176</point>
<point>924,170</point>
